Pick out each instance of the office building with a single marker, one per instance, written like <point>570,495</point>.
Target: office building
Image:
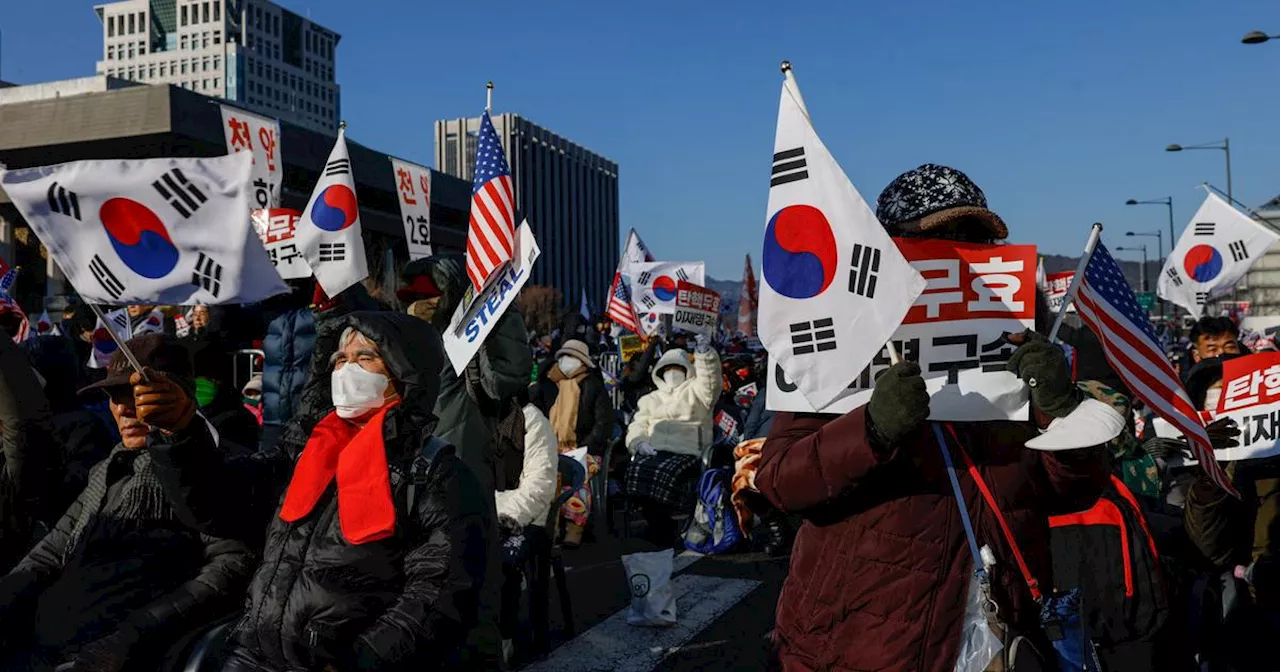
<point>568,193</point>
<point>102,118</point>
<point>254,53</point>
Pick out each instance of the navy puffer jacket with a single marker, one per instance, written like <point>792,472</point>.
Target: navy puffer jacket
<point>290,339</point>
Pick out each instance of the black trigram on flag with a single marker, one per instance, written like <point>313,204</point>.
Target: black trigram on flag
<point>1201,298</point>
<point>1204,228</point>
<point>789,166</point>
<point>682,274</point>
<point>337,167</point>
<point>333,251</point>
<point>110,283</point>
<point>180,192</point>
<point>63,201</point>
<point>208,274</point>
<point>862,276</point>
<point>1174,277</point>
<point>645,278</point>
<point>815,336</point>
<point>648,302</point>
<point>1238,250</point>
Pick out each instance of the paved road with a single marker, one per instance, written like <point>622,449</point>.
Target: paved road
<point>725,609</point>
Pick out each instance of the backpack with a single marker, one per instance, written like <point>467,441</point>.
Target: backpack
<point>1107,552</point>
<point>421,468</point>
<point>713,528</point>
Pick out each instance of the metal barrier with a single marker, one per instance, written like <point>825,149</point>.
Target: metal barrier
<point>247,364</point>
<point>611,366</point>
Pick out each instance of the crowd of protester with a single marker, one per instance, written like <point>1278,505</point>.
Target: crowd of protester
<point>348,501</point>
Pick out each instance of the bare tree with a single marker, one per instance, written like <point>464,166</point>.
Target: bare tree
<point>541,307</point>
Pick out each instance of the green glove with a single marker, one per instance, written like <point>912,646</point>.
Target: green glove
<point>1043,367</point>
<point>899,404</point>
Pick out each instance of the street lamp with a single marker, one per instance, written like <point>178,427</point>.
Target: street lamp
<point>1257,37</point>
<point>1166,201</point>
<point>1225,146</point>
<point>1159,250</point>
<point>1143,250</point>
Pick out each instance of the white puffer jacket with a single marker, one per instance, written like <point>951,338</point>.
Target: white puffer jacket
<point>678,419</point>
<point>530,501</point>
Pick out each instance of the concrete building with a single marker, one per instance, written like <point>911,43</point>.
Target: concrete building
<point>252,52</point>
<point>110,120</point>
<point>568,193</point>
<point>1261,285</point>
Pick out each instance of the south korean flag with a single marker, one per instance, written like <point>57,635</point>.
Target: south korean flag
<point>1216,249</point>
<point>835,285</point>
<point>328,232</point>
<point>155,231</point>
<point>653,284</point>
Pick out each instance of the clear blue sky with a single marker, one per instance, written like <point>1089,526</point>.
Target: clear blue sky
<point>1060,111</point>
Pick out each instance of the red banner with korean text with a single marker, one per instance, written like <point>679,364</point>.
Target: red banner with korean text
<point>697,309</point>
<point>1249,395</point>
<point>974,295</point>
<point>260,136</point>
<point>413,184</point>
<point>1057,285</point>
<point>275,227</point>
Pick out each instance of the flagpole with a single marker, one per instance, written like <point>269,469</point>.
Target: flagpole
<point>1095,234</point>
<point>1246,210</point>
<point>488,96</point>
<point>128,354</point>
<point>794,86</point>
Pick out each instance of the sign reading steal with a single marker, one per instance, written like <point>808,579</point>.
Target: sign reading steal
<point>697,309</point>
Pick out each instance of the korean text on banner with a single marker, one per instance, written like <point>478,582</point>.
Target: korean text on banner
<point>1056,287</point>
<point>476,316</point>
<point>1251,397</point>
<point>260,136</point>
<point>697,309</point>
<point>276,228</point>
<point>151,231</point>
<point>955,330</point>
<point>413,183</point>
<point>653,284</point>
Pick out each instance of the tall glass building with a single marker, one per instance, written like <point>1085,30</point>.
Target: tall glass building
<point>568,193</point>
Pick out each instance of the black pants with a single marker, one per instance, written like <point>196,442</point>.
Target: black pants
<point>513,573</point>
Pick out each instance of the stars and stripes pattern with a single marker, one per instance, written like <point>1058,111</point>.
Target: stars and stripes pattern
<point>7,281</point>
<point>1107,304</point>
<point>491,232</point>
<point>620,309</point>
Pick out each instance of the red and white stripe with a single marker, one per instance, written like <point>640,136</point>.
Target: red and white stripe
<point>491,233</point>
<point>621,312</point>
<point>1150,376</point>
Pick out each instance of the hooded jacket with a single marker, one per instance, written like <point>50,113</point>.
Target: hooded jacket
<point>530,502</point>
<point>678,419</point>
<point>398,603</point>
<point>469,405</point>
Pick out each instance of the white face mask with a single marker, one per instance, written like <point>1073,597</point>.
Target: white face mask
<point>356,391</point>
<point>569,365</point>
<point>674,377</point>
<point>1211,397</point>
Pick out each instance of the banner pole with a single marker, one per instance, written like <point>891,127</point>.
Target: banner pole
<point>1095,234</point>
<point>794,87</point>
<point>488,97</point>
<point>124,348</point>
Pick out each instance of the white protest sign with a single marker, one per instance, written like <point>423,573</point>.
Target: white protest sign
<point>697,309</point>
<point>955,331</point>
<point>260,136</point>
<point>476,316</point>
<point>413,182</point>
<point>276,228</point>
<point>1056,286</point>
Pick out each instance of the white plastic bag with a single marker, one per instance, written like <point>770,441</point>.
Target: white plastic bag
<point>978,644</point>
<point>653,602</point>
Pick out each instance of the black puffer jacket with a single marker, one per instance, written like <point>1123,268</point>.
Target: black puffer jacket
<point>28,452</point>
<point>404,602</point>
<point>595,419</point>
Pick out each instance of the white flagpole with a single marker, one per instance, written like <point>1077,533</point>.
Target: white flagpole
<point>128,354</point>
<point>794,87</point>
<point>488,97</point>
<point>1095,234</point>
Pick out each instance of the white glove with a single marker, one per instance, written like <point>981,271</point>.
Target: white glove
<point>646,449</point>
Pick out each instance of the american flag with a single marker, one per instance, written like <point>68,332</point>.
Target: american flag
<point>620,309</point>
<point>7,281</point>
<point>1106,303</point>
<point>9,305</point>
<point>492,232</point>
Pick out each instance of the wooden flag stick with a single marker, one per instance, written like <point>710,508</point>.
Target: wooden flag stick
<point>124,348</point>
<point>1095,234</point>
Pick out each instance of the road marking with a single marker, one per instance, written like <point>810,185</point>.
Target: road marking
<point>614,645</point>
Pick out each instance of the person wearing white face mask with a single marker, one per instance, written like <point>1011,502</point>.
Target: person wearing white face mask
<point>670,432</point>
<point>575,400</point>
<point>367,487</point>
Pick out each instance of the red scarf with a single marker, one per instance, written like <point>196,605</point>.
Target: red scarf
<point>357,457</point>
